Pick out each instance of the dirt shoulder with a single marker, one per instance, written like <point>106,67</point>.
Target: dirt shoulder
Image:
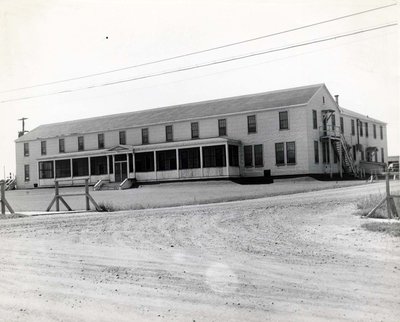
<point>300,257</point>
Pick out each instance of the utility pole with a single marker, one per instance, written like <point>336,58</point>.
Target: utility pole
<point>21,133</point>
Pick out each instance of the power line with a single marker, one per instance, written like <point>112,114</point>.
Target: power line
<point>217,62</point>
<point>202,51</point>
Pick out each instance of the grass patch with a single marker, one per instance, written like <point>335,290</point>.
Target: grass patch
<point>365,205</point>
<point>391,228</point>
<point>111,207</point>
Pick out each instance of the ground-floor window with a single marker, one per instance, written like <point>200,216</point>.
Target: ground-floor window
<point>325,152</point>
<point>130,155</point>
<point>258,155</point>
<point>144,162</point>
<point>214,156</point>
<point>354,153</point>
<point>80,167</point>
<point>248,155</point>
<point>63,168</point>
<point>280,153</point>
<point>166,160</point>
<point>291,152</point>
<point>110,164</point>
<point>233,155</point>
<point>26,172</point>
<point>316,152</point>
<point>382,154</point>
<point>189,158</point>
<point>98,166</point>
<point>46,170</point>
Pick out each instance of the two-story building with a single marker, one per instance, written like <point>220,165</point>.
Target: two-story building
<point>294,131</point>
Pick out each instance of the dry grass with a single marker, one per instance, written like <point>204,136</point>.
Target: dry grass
<point>365,205</point>
<point>391,228</point>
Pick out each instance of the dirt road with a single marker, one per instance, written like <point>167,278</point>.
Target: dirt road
<point>300,257</point>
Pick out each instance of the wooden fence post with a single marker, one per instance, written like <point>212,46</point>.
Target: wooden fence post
<point>3,197</point>
<point>87,194</point>
<point>57,196</point>
<point>388,195</point>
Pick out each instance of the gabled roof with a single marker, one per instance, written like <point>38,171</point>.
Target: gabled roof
<point>350,113</point>
<point>191,111</point>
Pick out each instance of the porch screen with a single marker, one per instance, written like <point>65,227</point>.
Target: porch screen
<point>189,158</point>
<point>80,167</point>
<point>46,170</point>
<point>144,162</point>
<point>166,160</point>
<point>63,168</point>
<point>98,166</point>
<point>214,156</point>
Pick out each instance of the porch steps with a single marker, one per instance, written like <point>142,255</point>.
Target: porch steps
<point>109,186</point>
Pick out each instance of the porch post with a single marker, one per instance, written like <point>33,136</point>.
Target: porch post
<point>133,164</point>
<point>72,170</point>
<point>201,161</point>
<point>113,164</point>
<point>90,170</point>
<point>227,158</point>
<point>108,166</point>
<point>127,165</point>
<point>177,163</point>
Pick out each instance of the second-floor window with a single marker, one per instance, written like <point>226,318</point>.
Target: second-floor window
<point>353,130</point>
<point>169,137</point>
<point>251,124</point>
<point>341,125</point>
<point>381,130</point>
<point>61,145</point>
<point>195,130</point>
<point>145,136</point>
<point>374,127</point>
<point>360,126</point>
<point>314,119</point>
<point>283,120</point>
<point>222,127</point>
<point>100,140</point>
<point>333,121</point>
<point>43,148</point>
<point>366,129</point>
<point>81,144</point>
<point>26,149</point>
<point>122,137</point>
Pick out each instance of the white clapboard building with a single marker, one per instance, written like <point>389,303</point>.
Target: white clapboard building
<point>297,131</point>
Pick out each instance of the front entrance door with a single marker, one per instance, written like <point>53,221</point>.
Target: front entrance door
<point>120,171</point>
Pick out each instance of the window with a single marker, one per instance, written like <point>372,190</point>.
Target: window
<point>98,166</point>
<point>46,170</point>
<point>214,156</point>
<point>248,155</point>
<point>366,129</point>
<point>144,162</point>
<point>381,130</point>
<point>122,137</point>
<point>360,128</point>
<point>168,133</point>
<point>100,140</point>
<point>382,155</point>
<point>333,117</point>
<point>63,168</point>
<point>354,153</point>
<point>81,145</point>
<point>291,152</point>
<point>195,130</point>
<point>189,158</point>
<point>323,99</point>
<point>233,155</point>
<point>222,127</point>
<point>61,145</point>
<point>43,148</point>
<point>362,155</point>
<point>374,127</point>
<point>341,125</point>
<point>283,120</point>
<point>353,130</point>
<point>80,167</point>
<point>110,164</point>
<point>26,172</point>
<point>130,156</point>
<point>145,136</point>
<point>166,160</point>
<point>26,149</point>
<point>314,118</point>
<point>316,151</point>
<point>258,155</point>
<point>279,153</point>
<point>251,124</point>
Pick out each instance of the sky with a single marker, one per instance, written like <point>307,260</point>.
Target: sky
<point>44,41</point>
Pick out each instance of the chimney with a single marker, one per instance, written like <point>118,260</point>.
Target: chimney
<point>337,99</point>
